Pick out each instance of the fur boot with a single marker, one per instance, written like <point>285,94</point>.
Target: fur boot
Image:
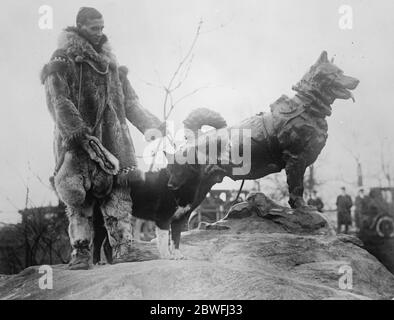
<point>116,211</point>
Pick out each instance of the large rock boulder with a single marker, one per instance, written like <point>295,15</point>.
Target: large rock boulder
<point>256,252</point>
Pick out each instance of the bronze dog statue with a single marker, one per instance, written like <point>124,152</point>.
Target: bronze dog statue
<point>289,137</point>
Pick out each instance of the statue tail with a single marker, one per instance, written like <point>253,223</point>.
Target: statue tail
<point>203,116</point>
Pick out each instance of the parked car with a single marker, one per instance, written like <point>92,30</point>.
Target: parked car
<point>377,226</point>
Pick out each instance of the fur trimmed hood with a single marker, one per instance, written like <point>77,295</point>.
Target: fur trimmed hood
<point>76,45</point>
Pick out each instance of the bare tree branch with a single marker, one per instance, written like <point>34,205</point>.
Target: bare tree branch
<point>38,177</point>
<point>185,58</point>
<point>179,76</point>
<point>190,94</point>
<point>185,74</point>
<point>9,200</point>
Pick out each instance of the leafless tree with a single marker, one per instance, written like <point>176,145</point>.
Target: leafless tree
<point>385,160</point>
<point>354,150</point>
<point>40,238</point>
<point>175,82</point>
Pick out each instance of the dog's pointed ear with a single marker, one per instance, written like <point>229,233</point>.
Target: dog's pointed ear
<point>323,58</point>
<point>215,173</point>
<point>218,178</point>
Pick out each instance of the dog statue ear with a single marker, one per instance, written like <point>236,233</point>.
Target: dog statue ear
<point>323,58</point>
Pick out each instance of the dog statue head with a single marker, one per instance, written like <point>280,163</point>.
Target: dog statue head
<point>324,83</point>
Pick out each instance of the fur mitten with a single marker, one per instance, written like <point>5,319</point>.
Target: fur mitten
<point>107,161</point>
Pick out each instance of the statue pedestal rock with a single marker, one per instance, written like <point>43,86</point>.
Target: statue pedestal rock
<point>270,252</point>
<point>301,220</point>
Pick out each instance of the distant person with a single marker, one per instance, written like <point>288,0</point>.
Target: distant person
<point>315,201</point>
<point>361,206</point>
<point>344,204</point>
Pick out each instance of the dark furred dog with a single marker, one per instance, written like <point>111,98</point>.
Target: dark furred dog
<point>289,137</point>
<point>154,200</point>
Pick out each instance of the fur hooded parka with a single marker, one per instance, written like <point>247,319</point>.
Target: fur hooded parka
<point>88,93</point>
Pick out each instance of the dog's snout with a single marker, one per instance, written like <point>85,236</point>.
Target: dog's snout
<point>349,82</point>
<point>354,84</point>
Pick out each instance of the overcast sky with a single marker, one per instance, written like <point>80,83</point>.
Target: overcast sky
<point>250,52</point>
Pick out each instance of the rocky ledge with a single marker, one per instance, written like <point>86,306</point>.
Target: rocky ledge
<point>259,251</point>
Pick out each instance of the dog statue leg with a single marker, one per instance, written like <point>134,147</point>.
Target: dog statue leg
<point>295,170</point>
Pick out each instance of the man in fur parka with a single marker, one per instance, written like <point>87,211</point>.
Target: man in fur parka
<point>89,98</point>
